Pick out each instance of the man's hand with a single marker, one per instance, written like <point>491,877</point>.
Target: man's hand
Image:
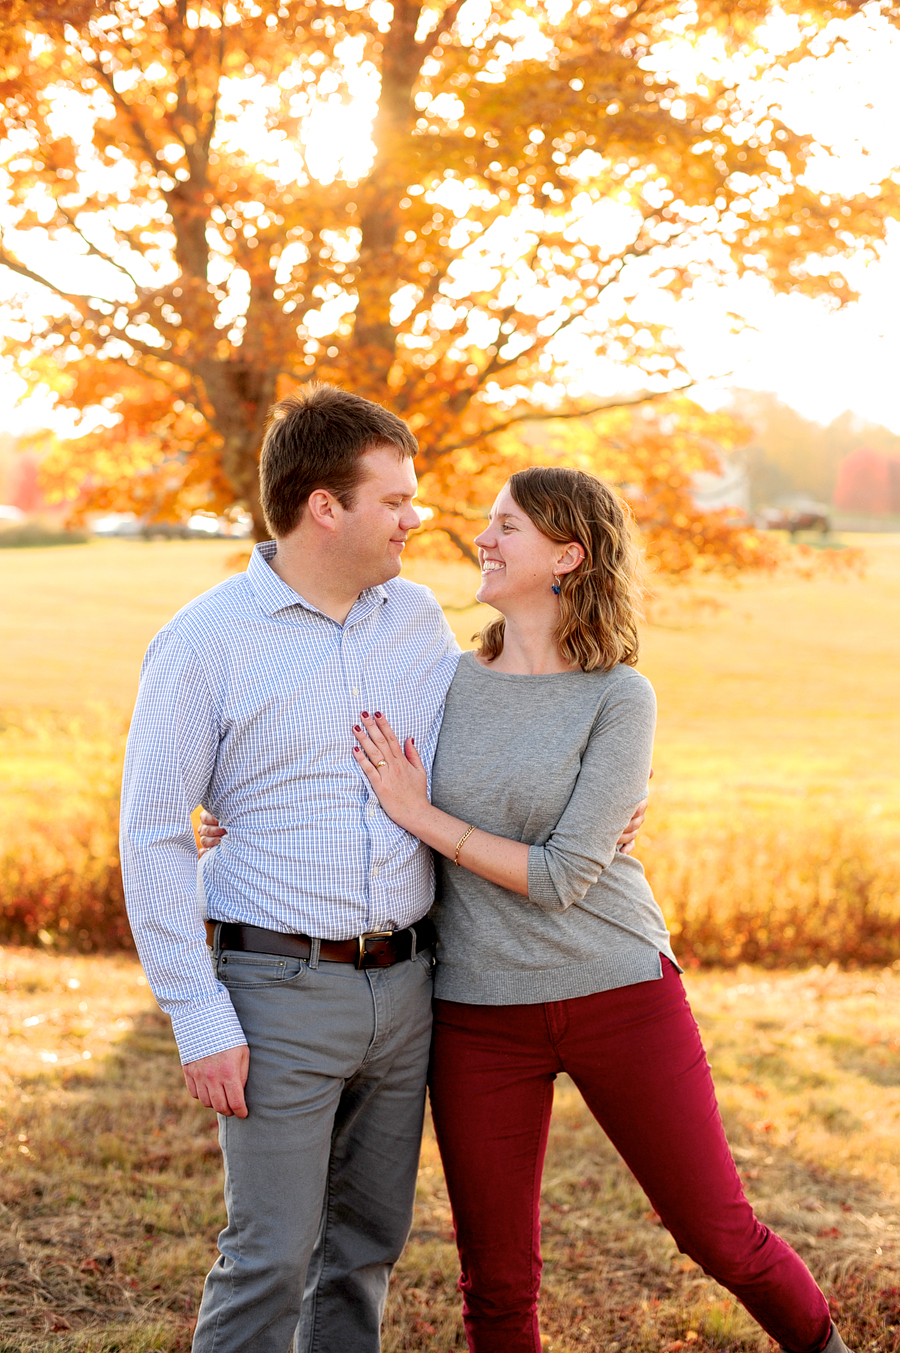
<point>218,1081</point>
<point>209,831</point>
<point>625,843</point>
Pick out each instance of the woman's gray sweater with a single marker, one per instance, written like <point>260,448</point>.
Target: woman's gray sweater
<point>559,762</point>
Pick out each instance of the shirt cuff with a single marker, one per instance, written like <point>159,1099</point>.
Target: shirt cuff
<point>541,888</point>
<point>204,1030</point>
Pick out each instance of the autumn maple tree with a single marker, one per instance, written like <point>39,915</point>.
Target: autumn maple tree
<point>193,237</point>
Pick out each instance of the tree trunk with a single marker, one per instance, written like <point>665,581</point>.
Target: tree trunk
<point>374,337</point>
<point>241,396</point>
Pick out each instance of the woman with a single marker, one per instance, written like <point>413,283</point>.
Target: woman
<point>553,954</point>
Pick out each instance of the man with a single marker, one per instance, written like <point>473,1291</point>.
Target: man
<point>309,1031</point>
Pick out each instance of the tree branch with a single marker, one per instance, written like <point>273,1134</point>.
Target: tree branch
<point>7,261</point>
<point>626,21</point>
<point>464,548</point>
<point>97,252</point>
<point>124,108</point>
<point>540,341</point>
<point>544,416</point>
<point>444,24</point>
<point>497,363</point>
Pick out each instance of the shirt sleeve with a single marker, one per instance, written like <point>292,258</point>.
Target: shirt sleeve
<point>614,777</point>
<point>169,762</point>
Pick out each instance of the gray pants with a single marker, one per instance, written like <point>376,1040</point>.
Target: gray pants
<point>320,1177</point>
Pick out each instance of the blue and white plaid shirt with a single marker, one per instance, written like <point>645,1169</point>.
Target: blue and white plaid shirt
<point>246,704</point>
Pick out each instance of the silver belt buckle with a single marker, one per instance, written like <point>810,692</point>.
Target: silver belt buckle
<point>372,935</point>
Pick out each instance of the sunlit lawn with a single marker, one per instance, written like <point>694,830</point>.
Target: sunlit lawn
<point>75,620</point>
<point>772,690</point>
<point>778,692</point>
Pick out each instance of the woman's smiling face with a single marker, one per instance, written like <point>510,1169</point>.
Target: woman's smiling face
<point>517,560</point>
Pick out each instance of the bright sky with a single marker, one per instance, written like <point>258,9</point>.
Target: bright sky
<point>816,359</point>
<point>819,361</point>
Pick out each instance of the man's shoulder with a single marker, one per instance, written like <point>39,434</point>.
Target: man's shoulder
<point>412,594</point>
<point>204,614</point>
<point>412,619</point>
<point>412,600</point>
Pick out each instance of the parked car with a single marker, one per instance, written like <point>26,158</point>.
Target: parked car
<point>807,516</point>
<point>235,524</point>
<point>116,524</point>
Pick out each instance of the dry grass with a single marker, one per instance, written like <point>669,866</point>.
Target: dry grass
<point>110,1191</point>
<point>764,890</point>
<point>783,700</point>
<point>110,1200</point>
<point>60,880</point>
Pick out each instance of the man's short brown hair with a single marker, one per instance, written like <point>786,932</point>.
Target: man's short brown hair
<point>316,440</point>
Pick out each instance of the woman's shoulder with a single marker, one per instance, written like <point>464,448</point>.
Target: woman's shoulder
<point>623,683</point>
<point>467,663</point>
<point>621,679</point>
<point>629,678</point>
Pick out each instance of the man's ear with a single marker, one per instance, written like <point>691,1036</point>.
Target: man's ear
<point>323,508</point>
<point>570,557</point>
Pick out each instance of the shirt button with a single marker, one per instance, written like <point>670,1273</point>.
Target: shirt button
<point>375,871</point>
<point>371,810</point>
<point>354,691</point>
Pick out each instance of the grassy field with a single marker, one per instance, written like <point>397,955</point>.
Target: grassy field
<point>110,1195</point>
<point>772,690</point>
<point>777,691</point>
<point>773,834</point>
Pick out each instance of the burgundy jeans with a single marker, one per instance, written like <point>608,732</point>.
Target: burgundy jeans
<point>635,1054</point>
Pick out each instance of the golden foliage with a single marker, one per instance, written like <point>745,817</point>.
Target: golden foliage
<point>651,456</point>
<point>516,201</point>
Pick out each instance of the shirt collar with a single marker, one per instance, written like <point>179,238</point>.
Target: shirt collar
<point>274,595</point>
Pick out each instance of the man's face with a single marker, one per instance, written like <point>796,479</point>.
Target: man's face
<point>373,532</point>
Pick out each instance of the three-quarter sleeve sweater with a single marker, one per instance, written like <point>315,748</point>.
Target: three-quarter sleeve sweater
<point>559,762</point>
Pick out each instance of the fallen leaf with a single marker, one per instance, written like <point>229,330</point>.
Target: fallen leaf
<point>55,1322</point>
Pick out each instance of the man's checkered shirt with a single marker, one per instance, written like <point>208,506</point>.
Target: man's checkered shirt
<point>246,704</point>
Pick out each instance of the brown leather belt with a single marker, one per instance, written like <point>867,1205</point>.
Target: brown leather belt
<point>378,950</point>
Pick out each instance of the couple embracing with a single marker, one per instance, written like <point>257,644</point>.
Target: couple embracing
<point>319,706</point>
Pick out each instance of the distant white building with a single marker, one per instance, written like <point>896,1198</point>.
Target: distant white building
<point>730,487</point>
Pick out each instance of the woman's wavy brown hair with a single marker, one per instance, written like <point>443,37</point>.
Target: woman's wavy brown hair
<point>600,600</point>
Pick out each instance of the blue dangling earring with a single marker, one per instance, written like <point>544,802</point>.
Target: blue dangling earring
<point>556,586</point>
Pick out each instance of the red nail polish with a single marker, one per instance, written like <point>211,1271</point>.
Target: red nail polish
<point>378,714</point>
<point>366,714</point>
<point>356,728</point>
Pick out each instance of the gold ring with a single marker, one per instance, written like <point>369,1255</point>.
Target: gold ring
<point>379,764</point>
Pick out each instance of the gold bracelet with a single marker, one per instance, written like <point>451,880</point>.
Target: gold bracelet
<point>462,841</point>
